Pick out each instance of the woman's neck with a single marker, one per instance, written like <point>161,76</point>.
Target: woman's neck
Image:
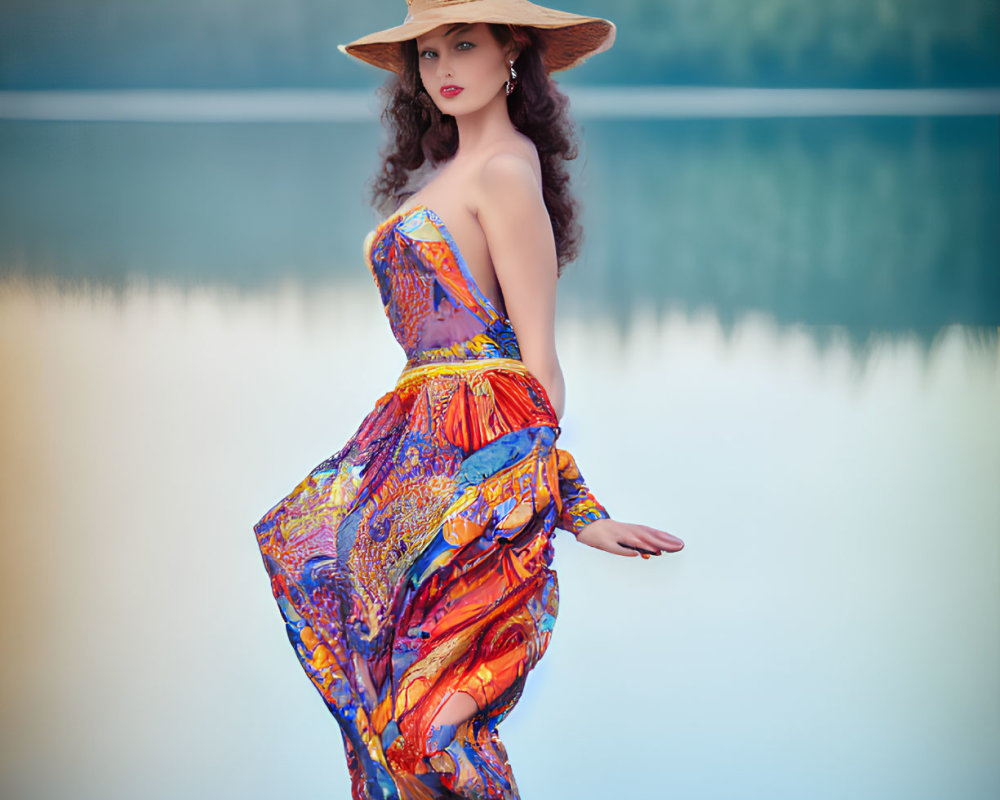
<point>481,128</point>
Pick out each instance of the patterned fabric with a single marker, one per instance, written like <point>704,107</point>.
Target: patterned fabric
<point>415,562</point>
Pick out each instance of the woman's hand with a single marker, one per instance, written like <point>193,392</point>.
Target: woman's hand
<point>628,539</point>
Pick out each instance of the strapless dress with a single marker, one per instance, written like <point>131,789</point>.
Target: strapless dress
<point>415,562</point>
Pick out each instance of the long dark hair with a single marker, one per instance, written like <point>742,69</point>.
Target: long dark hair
<point>419,132</point>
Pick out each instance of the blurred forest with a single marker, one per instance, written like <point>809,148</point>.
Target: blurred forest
<point>92,44</point>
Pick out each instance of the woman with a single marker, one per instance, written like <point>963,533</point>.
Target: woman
<point>412,568</point>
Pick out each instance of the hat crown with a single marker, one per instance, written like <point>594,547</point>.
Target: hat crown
<point>418,6</point>
<point>423,5</point>
<point>565,38</point>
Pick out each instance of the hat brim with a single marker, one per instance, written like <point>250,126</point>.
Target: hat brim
<point>569,38</point>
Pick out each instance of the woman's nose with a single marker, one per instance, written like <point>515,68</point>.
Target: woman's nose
<point>443,67</point>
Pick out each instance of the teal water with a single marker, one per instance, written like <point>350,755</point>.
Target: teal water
<point>780,343</point>
<point>868,224</point>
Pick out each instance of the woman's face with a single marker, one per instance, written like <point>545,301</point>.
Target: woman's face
<point>464,56</point>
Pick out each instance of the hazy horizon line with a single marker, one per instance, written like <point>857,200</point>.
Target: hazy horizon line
<point>594,102</point>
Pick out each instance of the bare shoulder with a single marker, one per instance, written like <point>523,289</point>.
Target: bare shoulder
<point>510,174</point>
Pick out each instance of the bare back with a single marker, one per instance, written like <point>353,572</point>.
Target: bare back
<point>453,193</point>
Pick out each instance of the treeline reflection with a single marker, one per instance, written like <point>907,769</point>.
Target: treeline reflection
<point>873,225</point>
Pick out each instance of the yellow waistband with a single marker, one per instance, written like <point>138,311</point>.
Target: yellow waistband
<point>456,367</point>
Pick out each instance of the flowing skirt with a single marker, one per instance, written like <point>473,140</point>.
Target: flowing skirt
<point>414,564</point>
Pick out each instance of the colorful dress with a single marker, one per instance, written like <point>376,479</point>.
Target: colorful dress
<point>415,562</point>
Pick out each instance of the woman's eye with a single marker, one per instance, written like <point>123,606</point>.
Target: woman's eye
<point>463,45</point>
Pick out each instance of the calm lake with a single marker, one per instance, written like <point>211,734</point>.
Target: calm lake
<point>780,343</point>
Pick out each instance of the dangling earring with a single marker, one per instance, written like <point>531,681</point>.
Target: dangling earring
<point>512,81</point>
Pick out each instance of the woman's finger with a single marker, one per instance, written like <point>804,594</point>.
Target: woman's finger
<point>661,539</point>
<point>623,549</point>
<point>644,547</point>
<point>668,542</point>
<point>645,553</point>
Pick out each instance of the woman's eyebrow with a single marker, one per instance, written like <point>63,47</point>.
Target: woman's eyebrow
<point>459,27</point>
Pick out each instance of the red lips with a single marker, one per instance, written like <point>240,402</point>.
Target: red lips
<point>450,90</point>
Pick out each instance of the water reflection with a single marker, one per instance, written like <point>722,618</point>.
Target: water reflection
<point>871,225</point>
<point>839,595</point>
<point>867,224</point>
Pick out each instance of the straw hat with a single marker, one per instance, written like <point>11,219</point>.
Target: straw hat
<point>570,38</point>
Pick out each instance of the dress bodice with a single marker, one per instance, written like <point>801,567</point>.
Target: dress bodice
<point>436,310</point>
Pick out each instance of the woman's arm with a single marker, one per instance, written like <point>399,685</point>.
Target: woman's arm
<point>513,216</point>
<point>519,234</point>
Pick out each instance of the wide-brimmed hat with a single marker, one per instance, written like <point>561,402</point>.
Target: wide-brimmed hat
<point>569,38</point>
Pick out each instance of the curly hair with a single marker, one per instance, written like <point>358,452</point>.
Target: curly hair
<point>419,132</point>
